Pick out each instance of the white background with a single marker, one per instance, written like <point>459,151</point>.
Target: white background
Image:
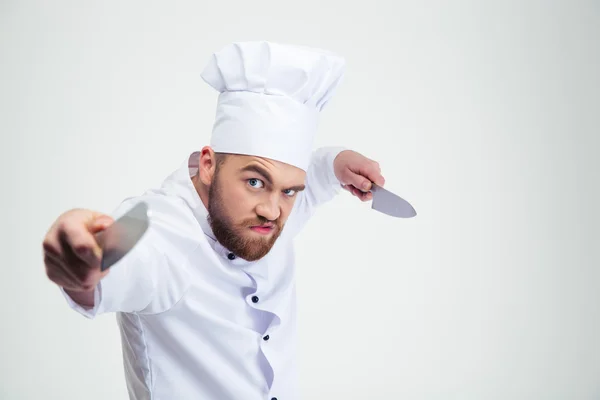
<point>484,115</point>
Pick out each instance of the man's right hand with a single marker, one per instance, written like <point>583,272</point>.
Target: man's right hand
<point>72,255</point>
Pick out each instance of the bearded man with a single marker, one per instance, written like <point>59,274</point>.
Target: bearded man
<point>205,301</point>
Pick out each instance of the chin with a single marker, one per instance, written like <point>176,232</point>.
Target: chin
<point>258,246</point>
<point>256,254</point>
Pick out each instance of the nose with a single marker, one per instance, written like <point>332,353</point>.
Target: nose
<point>269,208</point>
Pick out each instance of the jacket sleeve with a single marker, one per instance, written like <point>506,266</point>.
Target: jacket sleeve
<point>144,281</point>
<point>321,186</point>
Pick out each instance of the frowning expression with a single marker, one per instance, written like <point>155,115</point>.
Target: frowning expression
<point>250,199</point>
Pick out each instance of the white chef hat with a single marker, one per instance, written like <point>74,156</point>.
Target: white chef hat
<point>270,98</point>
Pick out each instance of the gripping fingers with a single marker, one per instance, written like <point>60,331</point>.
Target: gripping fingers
<point>79,245</point>
<point>59,274</point>
<point>363,196</point>
<point>74,277</point>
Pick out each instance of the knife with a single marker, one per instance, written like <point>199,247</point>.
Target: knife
<point>391,204</point>
<point>121,237</point>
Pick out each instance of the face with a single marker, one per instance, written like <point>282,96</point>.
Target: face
<point>249,201</point>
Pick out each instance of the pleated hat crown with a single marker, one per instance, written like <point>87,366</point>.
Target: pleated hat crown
<point>270,98</point>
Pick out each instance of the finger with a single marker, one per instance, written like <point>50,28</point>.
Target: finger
<point>79,277</point>
<point>351,189</point>
<point>51,245</point>
<point>72,272</point>
<point>53,253</point>
<point>362,176</point>
<point>358,181</point>
<point>57,273</point>
<point>100,223</point>
<point>372,171</point>
<point>347,188</point>
<point>78,243</point>
<point>379,180</point>
<point>363,196</point>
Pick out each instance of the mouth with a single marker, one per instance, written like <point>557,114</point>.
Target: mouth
<point>263,229</point>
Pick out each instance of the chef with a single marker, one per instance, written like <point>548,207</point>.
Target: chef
<point>205,301</point>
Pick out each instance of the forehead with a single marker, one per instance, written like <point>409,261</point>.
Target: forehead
<point>279,171</point>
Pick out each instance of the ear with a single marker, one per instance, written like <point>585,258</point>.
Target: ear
<point>207,165</point>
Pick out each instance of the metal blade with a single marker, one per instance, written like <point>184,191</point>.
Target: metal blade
<point>119,238</point>
<point>391,204</point>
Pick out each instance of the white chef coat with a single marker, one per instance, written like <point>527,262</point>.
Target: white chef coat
<point>196,322</point>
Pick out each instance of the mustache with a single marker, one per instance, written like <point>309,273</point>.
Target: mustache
<point>261,221</point>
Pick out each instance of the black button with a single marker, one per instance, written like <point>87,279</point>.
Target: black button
<point>255,299</point>
<point>231,256</point>
<point>273,398</point>
<point>266,337</point>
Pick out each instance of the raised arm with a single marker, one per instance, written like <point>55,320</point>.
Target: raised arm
<point>330,170</point>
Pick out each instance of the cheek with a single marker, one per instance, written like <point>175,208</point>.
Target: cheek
<point>286,208</point>
<point>240,203</point>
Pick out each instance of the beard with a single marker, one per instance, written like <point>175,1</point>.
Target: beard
<point>234,237</point>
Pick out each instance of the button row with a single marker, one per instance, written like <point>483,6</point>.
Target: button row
<point>255,300</point>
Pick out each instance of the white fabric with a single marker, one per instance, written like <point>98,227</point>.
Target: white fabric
<point>189,327</point>
<point>270,98</point>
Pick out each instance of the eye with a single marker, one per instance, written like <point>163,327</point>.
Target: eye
<point>255,183</point>
<point>289,192</point>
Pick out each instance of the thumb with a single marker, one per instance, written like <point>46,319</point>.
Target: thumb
<point>358,181</point>
<point>100,223</point>
<point>95,227</point>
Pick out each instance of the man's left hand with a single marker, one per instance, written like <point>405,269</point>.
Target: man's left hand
<point>356,173</point>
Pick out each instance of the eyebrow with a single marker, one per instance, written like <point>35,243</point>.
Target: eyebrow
<point>265,174</point>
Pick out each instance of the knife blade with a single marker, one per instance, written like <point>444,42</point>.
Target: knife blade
<point>121,237</point>
<point>391,204</point>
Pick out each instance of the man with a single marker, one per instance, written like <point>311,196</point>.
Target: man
<point>206,300</point>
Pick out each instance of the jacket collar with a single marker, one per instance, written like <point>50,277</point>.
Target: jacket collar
<point>180,183</point>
